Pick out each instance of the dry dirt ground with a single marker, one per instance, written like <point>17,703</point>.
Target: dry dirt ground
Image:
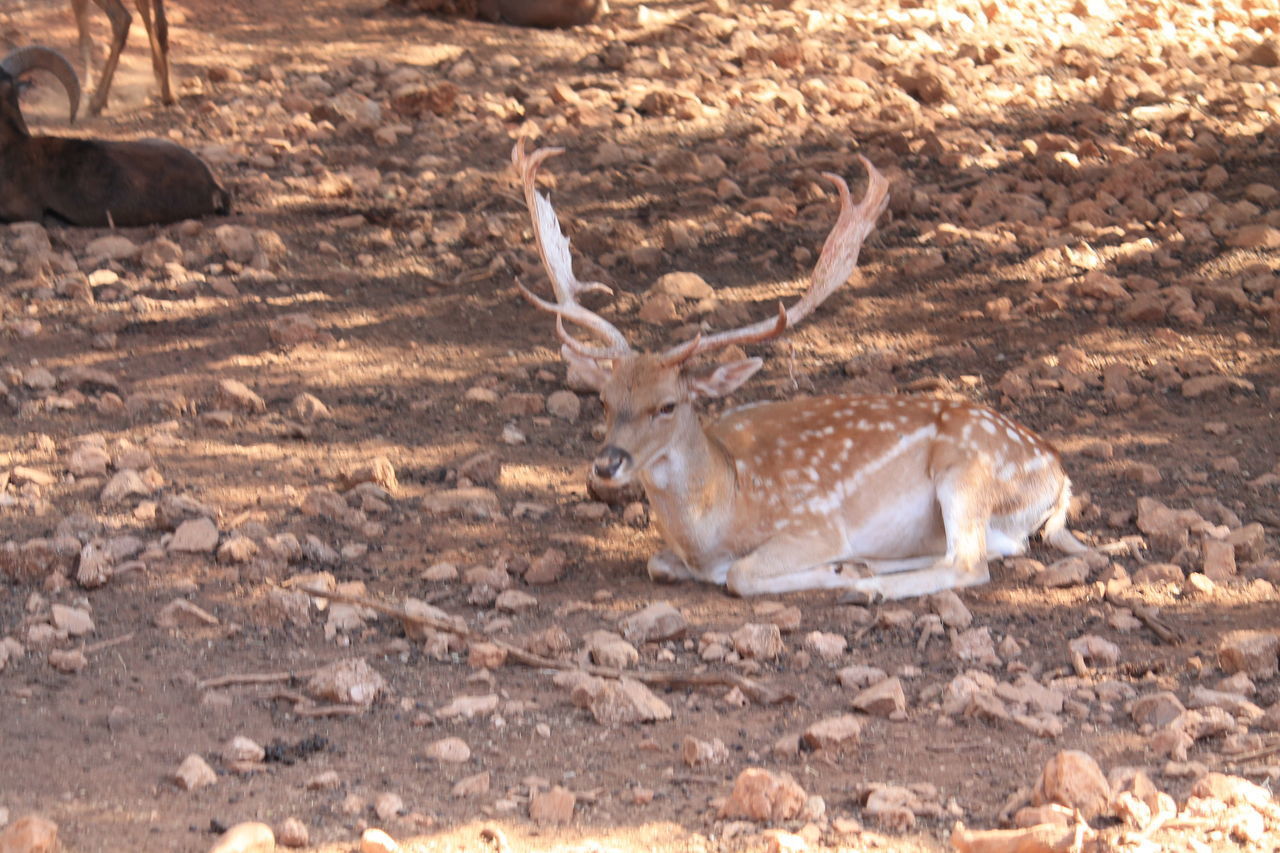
<point>1083,234</point>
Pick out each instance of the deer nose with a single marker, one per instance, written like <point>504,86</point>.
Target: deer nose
<point>610,461</point>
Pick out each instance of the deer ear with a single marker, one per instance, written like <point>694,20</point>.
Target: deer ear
<point>726,378</point>
<point>587,369</point>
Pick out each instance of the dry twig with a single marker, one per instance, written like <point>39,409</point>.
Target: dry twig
<point>1167,633</point>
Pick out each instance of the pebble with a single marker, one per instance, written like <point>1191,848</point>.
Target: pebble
<point>193,773</point>
<point>552,807</point>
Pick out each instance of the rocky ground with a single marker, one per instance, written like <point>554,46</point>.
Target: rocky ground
<point>294,523</point>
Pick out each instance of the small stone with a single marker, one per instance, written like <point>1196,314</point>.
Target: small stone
<point>450,750</point>
<point>388,806</point>
<point>249,837</point>
<point>73,621</point>
<point>1219,559</point>
<point>762,796</point>
<point>308,408</point>
<point>859,676</point>
<point>882,699</point>
<point>701,753</point>
<point>242,749</point>
<point>123,485</point>
<point>486,655</point>
<point>548,568</point>
<point>608,649</point>
<point>951,610</point>
<point>475,502</point>
<point>834,732</point>
<point>564,405</point>
<point>88,461</point>
<point>515,601</point>
<point>69,661</point>
<point>1073,779</point>
<point>236,395</point>
<point>684,285</point>
<point>181,613</point>
<point>655,623</point>
<point>295,328</point>
<point>827,646</point>
<point>351,681</point>
<point>472,786</point>
<point>625,701</point>
<point>326,781</point>
<point>193,773</point>
<point>552,807</point>
<point>756,641</point>
<point>1095,650</point>
<point>1156,709</point>
<point>195,536</point>
<point>469,707</point>
<point>292,832</point>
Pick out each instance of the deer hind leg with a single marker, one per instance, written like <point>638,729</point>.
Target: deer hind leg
<point>120,21</point>
<point>788,565</point>
<point>963,494</point>
<point>158,34</point>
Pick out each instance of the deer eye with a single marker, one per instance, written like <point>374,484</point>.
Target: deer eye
<point>667,408</point>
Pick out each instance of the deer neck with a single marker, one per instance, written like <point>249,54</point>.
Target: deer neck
<point>691,490</point>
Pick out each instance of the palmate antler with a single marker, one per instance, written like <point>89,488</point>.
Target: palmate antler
<point>835,264</point>
<point>553,247</point>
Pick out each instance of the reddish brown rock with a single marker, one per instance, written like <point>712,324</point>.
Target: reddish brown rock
<point>1073,779</point>
<point>762,796</point>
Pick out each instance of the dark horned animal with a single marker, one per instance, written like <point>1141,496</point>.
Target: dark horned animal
<point>546,14</point>
<point>157,26</point>
<point>92,181</point>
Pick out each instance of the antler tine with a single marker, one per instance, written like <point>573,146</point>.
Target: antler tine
<point>839,257</point>
<point>553,248</point>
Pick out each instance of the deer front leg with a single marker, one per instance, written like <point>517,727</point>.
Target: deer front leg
<point>157,26</point>
<point>120,21</point>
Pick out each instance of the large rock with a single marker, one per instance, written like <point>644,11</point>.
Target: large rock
<point>626,701</point>
<point>1073,779</point>
<point>883,699</point>
<point>1250,652</point>
<point>30,834</point>
<point>760,795</point>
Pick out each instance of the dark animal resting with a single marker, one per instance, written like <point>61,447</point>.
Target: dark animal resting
<point>157,31</point>
<point>92,181</point>
<point>521,13</point>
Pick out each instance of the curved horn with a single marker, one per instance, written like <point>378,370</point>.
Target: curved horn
<point>25,59</point>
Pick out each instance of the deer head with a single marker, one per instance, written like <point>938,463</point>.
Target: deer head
<point>649,397</point>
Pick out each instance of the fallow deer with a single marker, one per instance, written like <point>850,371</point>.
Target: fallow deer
<point>773,498</point>
<point>157,27</point>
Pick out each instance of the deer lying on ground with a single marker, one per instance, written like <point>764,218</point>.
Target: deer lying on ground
<point>770,498</point>
<point>157,27</point>
<point>92,181</point>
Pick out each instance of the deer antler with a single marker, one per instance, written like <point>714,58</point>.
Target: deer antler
<point>553,248</point>
<point>839,257</point>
